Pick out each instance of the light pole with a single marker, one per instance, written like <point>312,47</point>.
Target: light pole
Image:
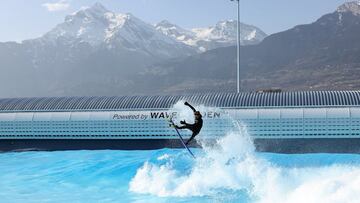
<point>238,45</point>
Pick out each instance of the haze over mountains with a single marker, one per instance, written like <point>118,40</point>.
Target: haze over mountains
<point>98,52</point>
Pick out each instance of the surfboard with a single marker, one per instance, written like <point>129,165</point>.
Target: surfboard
<point>181,139</point>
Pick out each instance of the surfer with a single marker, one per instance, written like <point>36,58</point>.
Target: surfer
<point>196,127</point>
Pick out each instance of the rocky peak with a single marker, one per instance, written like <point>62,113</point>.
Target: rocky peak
<point>352,7</point>
<point>97,11</point>
<point>164,23</point>
<point>97,8</point>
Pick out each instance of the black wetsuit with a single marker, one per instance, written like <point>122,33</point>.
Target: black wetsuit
<point>195,128</point>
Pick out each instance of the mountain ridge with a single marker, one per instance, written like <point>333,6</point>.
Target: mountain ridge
<point>221,35</point>
<point>323,55</point>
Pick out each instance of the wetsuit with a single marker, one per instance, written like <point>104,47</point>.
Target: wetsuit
<point>196,127</point>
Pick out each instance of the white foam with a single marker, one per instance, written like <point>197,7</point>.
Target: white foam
<point>220,168</point>
<point>163,157</point>
<point>233,165</point>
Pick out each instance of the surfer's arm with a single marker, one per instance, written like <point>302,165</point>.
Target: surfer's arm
<point>192,108</point>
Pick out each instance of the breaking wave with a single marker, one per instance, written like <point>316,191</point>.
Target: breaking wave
<point>231,170</point>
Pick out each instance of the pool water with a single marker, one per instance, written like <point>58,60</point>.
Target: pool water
<point>230,171</point>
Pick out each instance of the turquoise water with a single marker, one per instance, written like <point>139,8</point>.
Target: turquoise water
<point>228,172</point>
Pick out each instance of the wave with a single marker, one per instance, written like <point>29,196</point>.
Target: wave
<point>232,170</point>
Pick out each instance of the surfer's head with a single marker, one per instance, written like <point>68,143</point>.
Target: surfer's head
<point>197,114</point>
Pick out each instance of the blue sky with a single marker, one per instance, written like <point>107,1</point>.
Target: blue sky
<point>26,19</point>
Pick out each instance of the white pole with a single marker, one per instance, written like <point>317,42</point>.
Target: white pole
<point>238,46</point>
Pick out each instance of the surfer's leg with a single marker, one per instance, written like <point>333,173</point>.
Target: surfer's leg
<point>186,126</point>
<point>191,138</point>
<point>180,127</point>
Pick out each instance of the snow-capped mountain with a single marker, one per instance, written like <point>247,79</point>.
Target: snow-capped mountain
<point>98,26</point>
<point>175,31</point>
<point>222,34</point>
<point>90,25</point>
<point>110,48</point>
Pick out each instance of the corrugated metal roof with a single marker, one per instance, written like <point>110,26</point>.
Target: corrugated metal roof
<point>246,99</point>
